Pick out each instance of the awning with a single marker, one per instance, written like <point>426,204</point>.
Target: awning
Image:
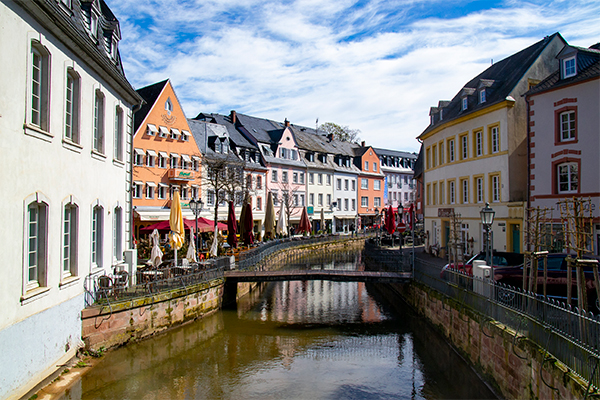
<point>175,131</point>
<point>175,155</point>
<point>163,154</point>
<point>185,133</point>
<point>163,130</point>
<point>186,158</point>
<point>152,128</point>
<point>195,158</point>
<point>151,153</point>
<point>163,185</point>
<point>138,182</point>
<point>139,152</point>
<point>151,184</point>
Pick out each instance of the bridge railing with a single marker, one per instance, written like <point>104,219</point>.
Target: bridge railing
<point>567,333</point>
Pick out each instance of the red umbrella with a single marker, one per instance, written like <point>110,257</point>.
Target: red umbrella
<point>231,227</point>
<point>165,226</point>
<point>248,225</point>
<point>390,221</point>
<point>208,225</point>
<point>304,225</point>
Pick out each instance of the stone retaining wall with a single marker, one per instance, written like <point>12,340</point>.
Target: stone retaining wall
<point>514,369</point>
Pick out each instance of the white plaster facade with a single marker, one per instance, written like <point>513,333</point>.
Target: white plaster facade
<point>345,194</point>
<point>44,171</point>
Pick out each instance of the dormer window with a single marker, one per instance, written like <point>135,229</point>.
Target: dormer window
<point>114,48</point>
<point>93,24</point>
<point>569,67</point>
<point>482,96</point>
<point>441,114</point>
<point>431,119</point>
<point>465,103</point>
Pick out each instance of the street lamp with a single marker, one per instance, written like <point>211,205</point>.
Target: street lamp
<point>196,207</point>
<point>377,215</point>
<point>487,219</point>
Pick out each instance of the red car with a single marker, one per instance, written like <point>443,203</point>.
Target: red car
<point>556,285</point>
<point>499,259</point>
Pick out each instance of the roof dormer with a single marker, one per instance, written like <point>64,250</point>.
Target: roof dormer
<point>482,89</point>
<point>464,96</point>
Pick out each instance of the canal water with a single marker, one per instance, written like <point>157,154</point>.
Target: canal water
<point>291,340</point>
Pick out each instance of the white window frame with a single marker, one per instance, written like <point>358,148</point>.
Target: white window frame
<point>464,183</point>
<point>38,114</point>
<point>567,126</point>
<point>117,234</point>
<point>569,67</point>
<point>566,177</point>
<point>495,188</point>
<point>479,188</point>
<point>482,96</point>
<point>119,134</point>
<point>495,138</point>
<point>465,146</point>
<point>364,201</point>
<point>98,122</point>
<point>320,199</point>
<point>479,143</point>
<point>69,240</point>
<point>451,150</point>
<point>72,104</point>
<point>97,234</point>
<point>376,184</point>
<point>364,183</point>
<point>464,103</point>
<point>36,244</point>
<point>452,189</point>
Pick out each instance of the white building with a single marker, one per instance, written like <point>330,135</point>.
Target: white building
<point>66,134</point>
<point>397,166</point>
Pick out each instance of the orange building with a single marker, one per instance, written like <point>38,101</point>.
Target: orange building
<point>370,185</point>
<point>165,156</point>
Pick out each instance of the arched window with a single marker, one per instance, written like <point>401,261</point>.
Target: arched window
<point>72,93</point>
<point>98,128</point>
<point>168,105</point>
<point>39,86</point>
<point>37,244</point>
<point>69,242</point>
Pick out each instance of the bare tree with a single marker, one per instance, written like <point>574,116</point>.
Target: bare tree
<point>289,194</point>
<point>343,133</point>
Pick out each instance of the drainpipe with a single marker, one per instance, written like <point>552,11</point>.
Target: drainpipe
<point>528,192</point>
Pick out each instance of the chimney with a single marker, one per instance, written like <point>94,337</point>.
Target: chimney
<point>233,117</point>
<point>286,122</point>
<point>330,136</point>
<point>362,144</point>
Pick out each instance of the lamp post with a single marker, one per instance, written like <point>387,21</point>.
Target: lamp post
<point>487,219</point>
<point>377,215</point>
<point>196,207</point>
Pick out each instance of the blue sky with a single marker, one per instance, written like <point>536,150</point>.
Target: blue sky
<point>373,65</point>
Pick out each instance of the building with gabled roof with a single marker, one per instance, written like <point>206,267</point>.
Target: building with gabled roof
<point>165,156</point>
<point>564,139</point>
<point>66,140</point>
<point>399,184</point>
<point>476,150</point>
<point>370,185</point>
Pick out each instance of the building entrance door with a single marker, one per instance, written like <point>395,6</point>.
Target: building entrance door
<point>516,238</point>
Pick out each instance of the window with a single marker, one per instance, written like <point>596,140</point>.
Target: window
<point>364,183</point>
<point>441,153</point>
<point>353,204</point>
<point>175,134</point>
<point>72,106</point>
<point>494,139</point>
<point>98,128</point>
<point>296,200</point>
<point>168,105</point>
<point>295,177</point>
<point>328,180</point>
<point>93,24</point>
<point>274,176</point>
<point>163,131</point>
<point>311,199</point>
<point>284,176</point>
<point>353,185</point>
<point>479,188</point>
<point>377,202</point>
<point>465,191</point>
<point>259,183</point>
<point>339,184</point>
<point>451,150</point>
<point>464,147</point>
<point>478,143</point>
<point>162,191</point>
<point>210,197</point>
<point>138,157</point>
<point>366,165</point>
<point>97,234</point>
<point>37,242</point>
<point>442,193</point>
<point>346,184</point>
<point>40,88</point>
<point>137,189</point>
<point>345,204</point>
<point>150,157</point>
<point>320,199</point>
<point>275,197</point>
<point>259,203</point>
<point>364,201</point>
<point>464,103</point>
<point>118,234</point>
<point>328,199</point>
<point>162,159</point>
<point>196,164</point>
<point>174,160</point>
<point>69,244</point>
<point>482,96</point>
<point>567,126</point>
<point>302,178</point>
<point>428,157</point>
<point>568,177</point>
<point>434,156</point>
<point>375,166</point>
<point>376,185</point>
<point>451,192</point>
<point>150,190</point>
<point>495,188</point>
<point>569,67</point>
<point>311,178</point>
<point>320,179</point>
<point>118,148</point>
<point>339,204</point>
<point>435,193</point>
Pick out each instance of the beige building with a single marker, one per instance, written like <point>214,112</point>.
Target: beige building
<point>564,138</point>
<point>476,151</point>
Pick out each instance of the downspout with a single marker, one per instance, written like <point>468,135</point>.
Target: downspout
<point>528,192</point>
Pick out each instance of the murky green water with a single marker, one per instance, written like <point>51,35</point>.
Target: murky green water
<point>291,340</point>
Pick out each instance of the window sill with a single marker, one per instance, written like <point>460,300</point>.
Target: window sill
<point>68,282</point>
<point>34,294</point>
<point>118,163</point>
<point>98,156</point>
<point>70,145</point>
<point>38,132</point>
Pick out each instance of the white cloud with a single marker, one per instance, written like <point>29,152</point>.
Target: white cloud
<point>376,67</point>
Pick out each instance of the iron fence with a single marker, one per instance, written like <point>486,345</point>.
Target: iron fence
<point>564,332</point>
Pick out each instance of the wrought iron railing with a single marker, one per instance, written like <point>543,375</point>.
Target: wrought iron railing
<point>567,333</point>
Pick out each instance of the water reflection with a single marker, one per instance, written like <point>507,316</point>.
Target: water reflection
<point>313,339</point>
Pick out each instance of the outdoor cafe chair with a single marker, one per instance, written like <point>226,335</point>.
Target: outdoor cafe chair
<point>120,281</point>
<point>104,287</point>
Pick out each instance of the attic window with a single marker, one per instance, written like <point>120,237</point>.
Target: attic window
<point>152,130</point>
<point>93,24</point>
<point>482,96</point>
<point>164,131</point>
<point>465,103</point>
<point>569,67</point>
<point>168,106</point>
<point>441,114</point>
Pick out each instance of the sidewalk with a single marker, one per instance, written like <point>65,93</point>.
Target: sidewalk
<point>421,254</point>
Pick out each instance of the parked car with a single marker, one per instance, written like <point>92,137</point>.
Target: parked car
<point>499,259</point>
<point>556,284</point>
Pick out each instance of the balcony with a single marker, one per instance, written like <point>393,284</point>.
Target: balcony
<point>176,174</point>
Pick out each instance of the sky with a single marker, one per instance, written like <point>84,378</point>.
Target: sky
<point>372,65</point>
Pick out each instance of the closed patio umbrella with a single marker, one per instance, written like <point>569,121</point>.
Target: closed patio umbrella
<point>156,254</point>
<point>281,224</point>
<point>322,221</point>
<point>304,225</point>
<point>191,253</point>
<point>269,217</point>
<point>248,225</point>
<point>231,227</point>
<point>214,248</point>
<point>176,238</point>
<point>390,221</point>
<point>242,228</point>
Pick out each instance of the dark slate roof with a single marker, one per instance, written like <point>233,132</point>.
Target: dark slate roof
<point>499,79</point>
<point>234,135</point>
<point>590,68</point>
<point>149,94</point>
<point>258,127</point>
<point>418,171</point>
<point>394,153</point>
